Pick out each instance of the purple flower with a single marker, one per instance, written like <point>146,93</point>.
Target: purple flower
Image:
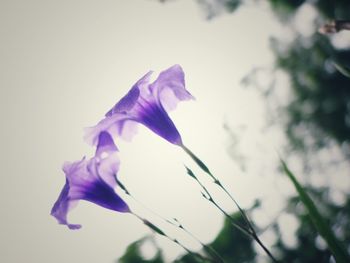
<point>146,103</point>
<point>91,180</point>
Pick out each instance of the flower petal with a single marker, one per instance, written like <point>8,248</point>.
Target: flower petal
<point>169,87</point>
<point>128,101</point>
<point>146,104</point>
<point>125,129</point>
<point>62,206</point>
<point>91,180</point>
<point>107,158</point>
<point>109,124</point>
<point>105,145</point>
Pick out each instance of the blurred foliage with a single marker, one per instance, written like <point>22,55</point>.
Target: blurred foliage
<point>338,9</point>
<point>311,247</point>
<point>319,108</point>
<point>234,246</point>
<point>319,222</point>
<point>317,112</point>
<point>133,254</point>
<point>214,8</point>
<point>231,245</point>
<point>320,102</point>
<point>283,9</point>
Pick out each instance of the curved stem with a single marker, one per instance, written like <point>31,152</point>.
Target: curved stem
<point>206,247</point>
<point>201,164</point>
<point>257,239</point>
<point>209,197</point>
<point>250,231</point>
<point>162,233</point>
<point>179,225</point>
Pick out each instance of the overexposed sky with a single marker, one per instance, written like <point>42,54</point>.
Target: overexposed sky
<point>65,63</point>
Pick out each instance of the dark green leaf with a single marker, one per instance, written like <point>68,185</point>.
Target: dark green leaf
<point>319,222</point>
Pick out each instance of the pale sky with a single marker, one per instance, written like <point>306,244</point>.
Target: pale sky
<point>65,63</point>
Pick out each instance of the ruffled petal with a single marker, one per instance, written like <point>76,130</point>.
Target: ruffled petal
<point>127,103</point>
<point>62,206</point>
<point>94,181</point>
<point>107,159</point>
<point>111,124</point>
<point>146,104</point>
<point>105,145</point>
<point>125,129</point>
<point>169,87</point>
<point>91,180</point>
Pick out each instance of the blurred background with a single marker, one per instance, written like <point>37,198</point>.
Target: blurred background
<point>266,83</point>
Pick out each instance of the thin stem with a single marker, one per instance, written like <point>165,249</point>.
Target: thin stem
<point>250,231</point>
<point>218,183</point>
<point>245,217</point>
<point>174,240</point>
<point>206,247</point>
<point>179,225</point>
<point>141,203</point>
<point>209,197</point>
<point>245,231</point>
<point>257,239</point>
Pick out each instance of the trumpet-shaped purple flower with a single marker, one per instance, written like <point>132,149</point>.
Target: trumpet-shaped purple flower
<point>146,103</point>
<point>91,180</point>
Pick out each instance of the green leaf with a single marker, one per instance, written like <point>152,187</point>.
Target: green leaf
<point>133,253</point>
<point>196,160</point>
<point>190,172</point>
<point>154,228</point>
<point>342,69</point>
<point>319,222</point>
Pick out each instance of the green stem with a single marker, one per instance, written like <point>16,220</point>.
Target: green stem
<point>339,252</point>
<point>246,232</point>
<point>250,231</point>
<point>218,183</point>
<point>206,247</point>
<point>242,229</point>
<point>179,225</point>
<point>156,229</point>
<point>209,197</point>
